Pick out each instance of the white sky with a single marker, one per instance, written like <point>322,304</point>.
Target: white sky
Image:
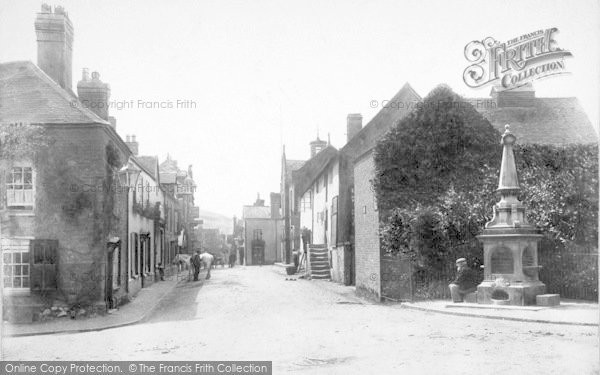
<point>267,72</point>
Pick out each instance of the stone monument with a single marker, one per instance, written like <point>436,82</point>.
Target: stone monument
<point>510,243</point>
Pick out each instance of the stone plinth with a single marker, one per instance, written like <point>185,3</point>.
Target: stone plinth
<point>510,243</point>
<point>519,293</point>
<point>547,300</point>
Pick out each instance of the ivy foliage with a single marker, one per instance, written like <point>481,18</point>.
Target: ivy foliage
<point>444,143</point>
<point>436,176</point>
<point>21,141</point>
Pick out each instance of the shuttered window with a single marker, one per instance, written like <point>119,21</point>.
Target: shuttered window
<point>43,262</point>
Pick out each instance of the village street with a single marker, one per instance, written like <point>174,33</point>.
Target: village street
<point>253,313</point>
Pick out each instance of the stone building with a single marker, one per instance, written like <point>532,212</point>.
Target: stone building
<point>263,231</point>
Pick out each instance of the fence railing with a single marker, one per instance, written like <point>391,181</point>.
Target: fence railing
<point>572,275</point>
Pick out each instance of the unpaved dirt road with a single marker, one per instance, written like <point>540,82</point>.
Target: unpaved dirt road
<point>318,327</point>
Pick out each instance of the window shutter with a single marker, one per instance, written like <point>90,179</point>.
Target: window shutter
<point>43,262</point>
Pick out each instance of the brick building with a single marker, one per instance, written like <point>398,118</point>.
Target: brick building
<point>84,219</point>
<point>62,213</point>
<point>360,209</point>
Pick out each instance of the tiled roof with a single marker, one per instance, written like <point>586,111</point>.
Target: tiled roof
<point>256,212</point>
<point>305,176</point>
<point>294,165</point>
<point>399,106</point>
<point>548,121</point>
<point>149,163</point>
<point>28,95</point>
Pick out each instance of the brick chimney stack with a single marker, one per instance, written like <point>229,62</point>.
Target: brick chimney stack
<point>54,33</point>
<point>354,125</point>
<point>132,144</point>
<point>275,202</point>
<point>94,94</point>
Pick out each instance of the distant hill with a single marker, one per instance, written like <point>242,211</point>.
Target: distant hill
<point>218,221</point>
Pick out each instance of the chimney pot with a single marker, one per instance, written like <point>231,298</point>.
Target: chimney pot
<point>94,94</point>
<point>127,138</point>
<point>132,144</point>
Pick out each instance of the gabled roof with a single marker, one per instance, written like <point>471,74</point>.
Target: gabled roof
<point>150,163</point>
<point>549,121</point>
<point>397,108</point>
<point>169,165</point>
<point>305,176</point>
<point>256,212</point>
<point>28,95</point>
<point>290,167</point>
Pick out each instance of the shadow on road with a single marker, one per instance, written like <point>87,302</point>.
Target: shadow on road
<point>180,304</point>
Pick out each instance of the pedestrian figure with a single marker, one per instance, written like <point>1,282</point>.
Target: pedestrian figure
<point>161,271</point>
<point>208,260</point>
<point>465,282</point>
<point>196,262</point>
<point>232,259</point>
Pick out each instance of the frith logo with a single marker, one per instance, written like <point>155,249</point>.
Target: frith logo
<point>514,63</point>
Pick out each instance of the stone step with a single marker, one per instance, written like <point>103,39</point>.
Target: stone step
<point>324,253</point>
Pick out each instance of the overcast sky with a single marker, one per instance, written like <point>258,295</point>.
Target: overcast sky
<point>267,73</point>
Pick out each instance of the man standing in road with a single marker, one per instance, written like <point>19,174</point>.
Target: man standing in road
<point>465,282</point>
<point>208,260</point>
<point>196,262</point>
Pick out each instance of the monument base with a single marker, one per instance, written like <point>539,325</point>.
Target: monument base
<point>516,294</point>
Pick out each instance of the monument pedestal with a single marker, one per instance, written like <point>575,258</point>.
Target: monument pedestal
<point>510,243</point>
<point>517,294</point>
